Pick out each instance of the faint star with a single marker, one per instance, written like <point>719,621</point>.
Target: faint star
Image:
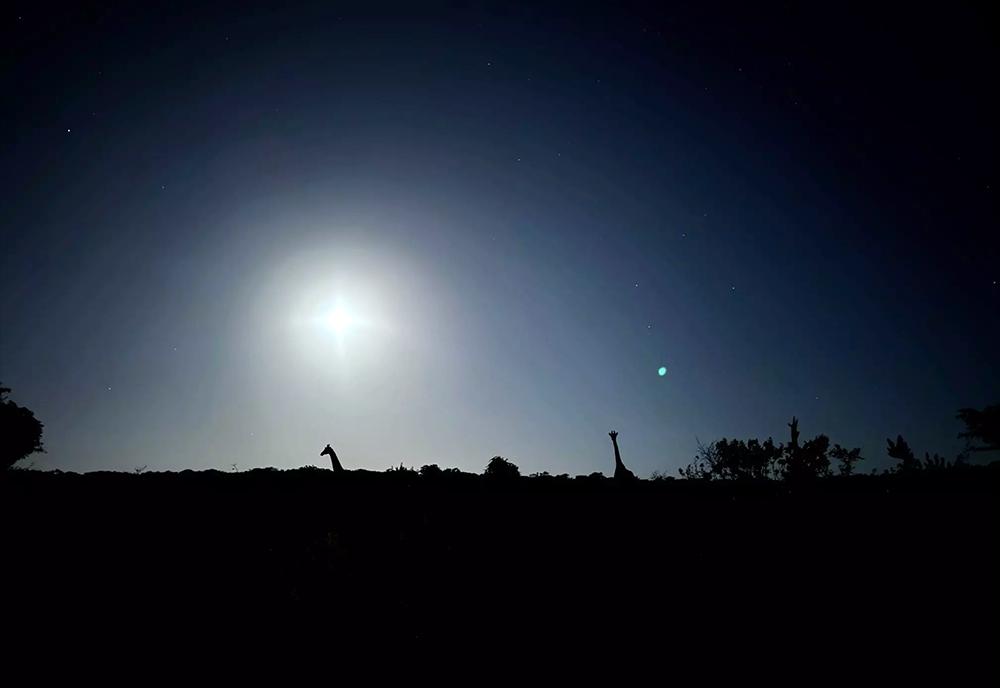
<point>636,285</point>
<point>67,131</point>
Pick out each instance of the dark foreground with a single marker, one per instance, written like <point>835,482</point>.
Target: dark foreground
<point>846,564</point>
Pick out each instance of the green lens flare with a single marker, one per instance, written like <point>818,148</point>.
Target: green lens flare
<point>662,371</point>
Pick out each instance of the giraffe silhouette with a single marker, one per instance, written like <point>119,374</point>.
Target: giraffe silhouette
<point>337,468</point>
<point>621,473</point>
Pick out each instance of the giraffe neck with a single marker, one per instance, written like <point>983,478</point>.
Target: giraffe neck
<point>618,456</point>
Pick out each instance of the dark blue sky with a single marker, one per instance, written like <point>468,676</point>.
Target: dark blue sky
<point>433,233</point>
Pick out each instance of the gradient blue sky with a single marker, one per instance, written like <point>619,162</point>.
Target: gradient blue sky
<point>527,211</point>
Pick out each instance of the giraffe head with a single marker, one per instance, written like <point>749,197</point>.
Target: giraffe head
<point>327,451</point>
<point>613,435</point>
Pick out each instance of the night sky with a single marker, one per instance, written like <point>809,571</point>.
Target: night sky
<point>437,233</point>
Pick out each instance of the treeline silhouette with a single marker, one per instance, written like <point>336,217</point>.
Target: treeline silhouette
<point>753,459</point>
<point>724,459</point>
<point>761,547</point>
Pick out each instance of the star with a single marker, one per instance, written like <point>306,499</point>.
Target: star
<point>68,130</point>
<point>636,285</point>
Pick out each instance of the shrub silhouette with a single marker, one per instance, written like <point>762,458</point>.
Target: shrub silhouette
<point>755,460</point>
<point>983,426</point>
<point>502,469</point>
<point>746,460</point>
<point>808,461</point>
<point>901,451</point>
<point>430,471</point>
<point>401,470</point>
<point>20,431</point>
<point>846,457</point>
<point>938,463</point>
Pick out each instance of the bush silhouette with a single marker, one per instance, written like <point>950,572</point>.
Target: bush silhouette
<point>430,471</point>
<point>901,451</point>
<point>502,469</point>
<point>846,457</point>
<point>20,431</point>
<point>755,460</point>
<point>736,460</point>
<point>983,426</point>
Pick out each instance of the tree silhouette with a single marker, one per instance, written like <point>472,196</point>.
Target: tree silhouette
<point>901,451</point>
<point>755,460</point>
<point>937,462</point>
<point>430,471</point>
<point>20,431</point>
<point>735,460</point>
<point>501,468</point>
<point>808,460</point>
<point>983,426</point>
<point>846,457</point>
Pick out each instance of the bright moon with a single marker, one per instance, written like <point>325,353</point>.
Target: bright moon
<point>339,320</point>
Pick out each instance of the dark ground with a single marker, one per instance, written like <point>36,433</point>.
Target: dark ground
<point>841,564</point>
